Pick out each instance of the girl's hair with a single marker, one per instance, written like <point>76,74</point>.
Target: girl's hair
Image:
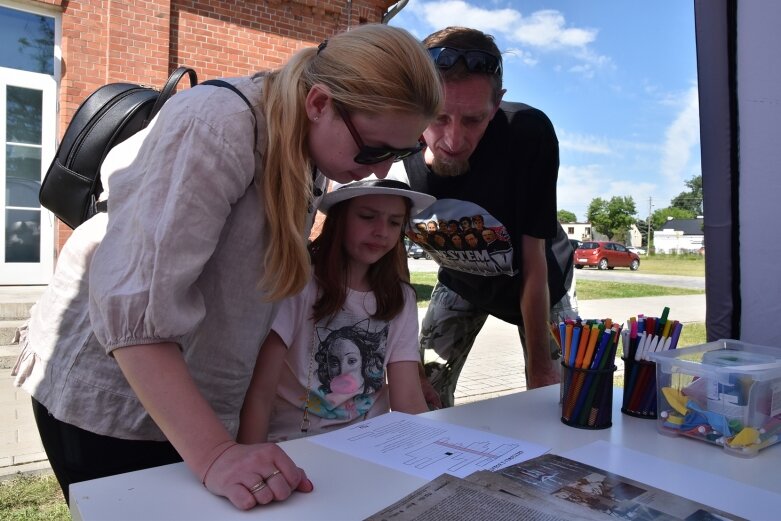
<point>372,68</point>
<point>386,276</point>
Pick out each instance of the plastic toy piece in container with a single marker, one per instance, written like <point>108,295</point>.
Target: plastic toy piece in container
<point>726,392</point>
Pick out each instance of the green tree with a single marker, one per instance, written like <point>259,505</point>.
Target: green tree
<point>565,216</point>
<point>691,200</point>
<point>613,217</point>
<point>661,216</point>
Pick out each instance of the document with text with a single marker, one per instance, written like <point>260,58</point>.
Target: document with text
<point>428,448</point>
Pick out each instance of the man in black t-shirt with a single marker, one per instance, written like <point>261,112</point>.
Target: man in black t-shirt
<point>496,163</point>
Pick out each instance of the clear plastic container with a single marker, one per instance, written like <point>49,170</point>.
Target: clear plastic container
<point>726,393</point>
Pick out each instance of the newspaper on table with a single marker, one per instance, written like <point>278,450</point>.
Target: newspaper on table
<point>546,488</point>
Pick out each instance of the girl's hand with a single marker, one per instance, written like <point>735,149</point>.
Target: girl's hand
<point>250,475</point>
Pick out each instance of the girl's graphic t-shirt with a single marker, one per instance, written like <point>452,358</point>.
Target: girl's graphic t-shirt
<point>338,366</point>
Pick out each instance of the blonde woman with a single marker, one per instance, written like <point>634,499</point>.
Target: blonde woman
<point>142,347</point>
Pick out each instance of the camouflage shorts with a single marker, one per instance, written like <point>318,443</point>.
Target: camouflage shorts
<point>448,332</point>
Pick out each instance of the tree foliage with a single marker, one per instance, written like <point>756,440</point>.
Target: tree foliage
<point>565,216</point>
<point>613,217</point>
<point>691,200</point>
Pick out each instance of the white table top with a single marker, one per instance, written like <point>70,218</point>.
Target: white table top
<point>350,488</point>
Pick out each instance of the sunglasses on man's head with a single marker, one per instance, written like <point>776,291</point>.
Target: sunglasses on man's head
<point>373,155</point>
<point>474,59</point>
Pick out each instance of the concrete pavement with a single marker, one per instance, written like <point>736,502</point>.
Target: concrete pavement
<point>494,368</point>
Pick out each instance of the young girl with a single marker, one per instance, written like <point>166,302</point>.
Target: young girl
<point>327,353</point>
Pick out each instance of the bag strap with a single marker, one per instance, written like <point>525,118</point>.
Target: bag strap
<point>229,86</point>
<point>102,206</point>
<point>169,88</point>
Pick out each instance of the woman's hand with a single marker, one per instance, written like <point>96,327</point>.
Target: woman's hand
<point>161,380</point>
<point>250,475</point>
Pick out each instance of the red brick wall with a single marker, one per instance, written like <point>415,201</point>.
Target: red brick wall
<point>141,41</point>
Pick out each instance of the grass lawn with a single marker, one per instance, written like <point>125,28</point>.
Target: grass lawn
<point>29,498</point>
<point>692,334</point>
<point>423,282</point>
<point>593,289</point>
<point>691,265</point>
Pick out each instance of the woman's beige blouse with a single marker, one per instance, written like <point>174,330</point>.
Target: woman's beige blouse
<point>177,258</point>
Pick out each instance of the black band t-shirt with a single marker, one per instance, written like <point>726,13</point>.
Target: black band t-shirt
<point>474,229</point>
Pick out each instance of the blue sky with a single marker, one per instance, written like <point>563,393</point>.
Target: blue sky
<point>618,79</point>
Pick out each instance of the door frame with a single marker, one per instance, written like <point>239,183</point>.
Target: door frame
<point>24,273</point>
<point>40,272</point>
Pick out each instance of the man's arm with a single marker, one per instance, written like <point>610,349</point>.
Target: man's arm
<point>535,308</point>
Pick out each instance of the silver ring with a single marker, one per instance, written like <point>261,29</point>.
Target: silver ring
<point>257,487</point>
<point>273,474</point>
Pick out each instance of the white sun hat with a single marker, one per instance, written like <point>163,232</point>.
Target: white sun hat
<point>373,186</point>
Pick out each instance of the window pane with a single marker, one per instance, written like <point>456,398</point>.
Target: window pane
<point>23,118</point>
<point>23,162</point>
<point>27,40</point>
<point>22,236</point>
<point>23,176</point>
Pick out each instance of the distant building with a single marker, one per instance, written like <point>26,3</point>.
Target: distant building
<point>680,236</point>
<point>578,231</point>
<point>633,237</point>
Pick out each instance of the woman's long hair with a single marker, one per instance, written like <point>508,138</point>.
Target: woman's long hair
<point>373,68</point>
<point>387,276</point>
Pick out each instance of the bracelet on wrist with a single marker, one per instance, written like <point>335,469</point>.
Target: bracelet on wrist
<point>229,444</point>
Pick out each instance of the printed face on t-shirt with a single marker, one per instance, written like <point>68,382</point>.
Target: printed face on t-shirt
<point>489,236</point>
<point>344,367</point>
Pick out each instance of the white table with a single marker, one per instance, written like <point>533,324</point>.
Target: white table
<point>350,488</point>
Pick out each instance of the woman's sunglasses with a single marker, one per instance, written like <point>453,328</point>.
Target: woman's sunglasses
<point>373,155</point>
<point>475,60</point>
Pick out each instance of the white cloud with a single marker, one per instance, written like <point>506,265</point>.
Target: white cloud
<point>445,13</point>
<point>585,70</point>
<point>576,187</point>
<point>579,185</point>
<point>545,31</point>
<point>681,137</point>
<point>584,143</point>
<point>525,57</point>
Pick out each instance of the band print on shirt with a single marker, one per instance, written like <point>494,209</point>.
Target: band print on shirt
<point>348,367</point>
<point>462,236</point>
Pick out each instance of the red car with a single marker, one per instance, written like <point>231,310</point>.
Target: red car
<point>606,256</point>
